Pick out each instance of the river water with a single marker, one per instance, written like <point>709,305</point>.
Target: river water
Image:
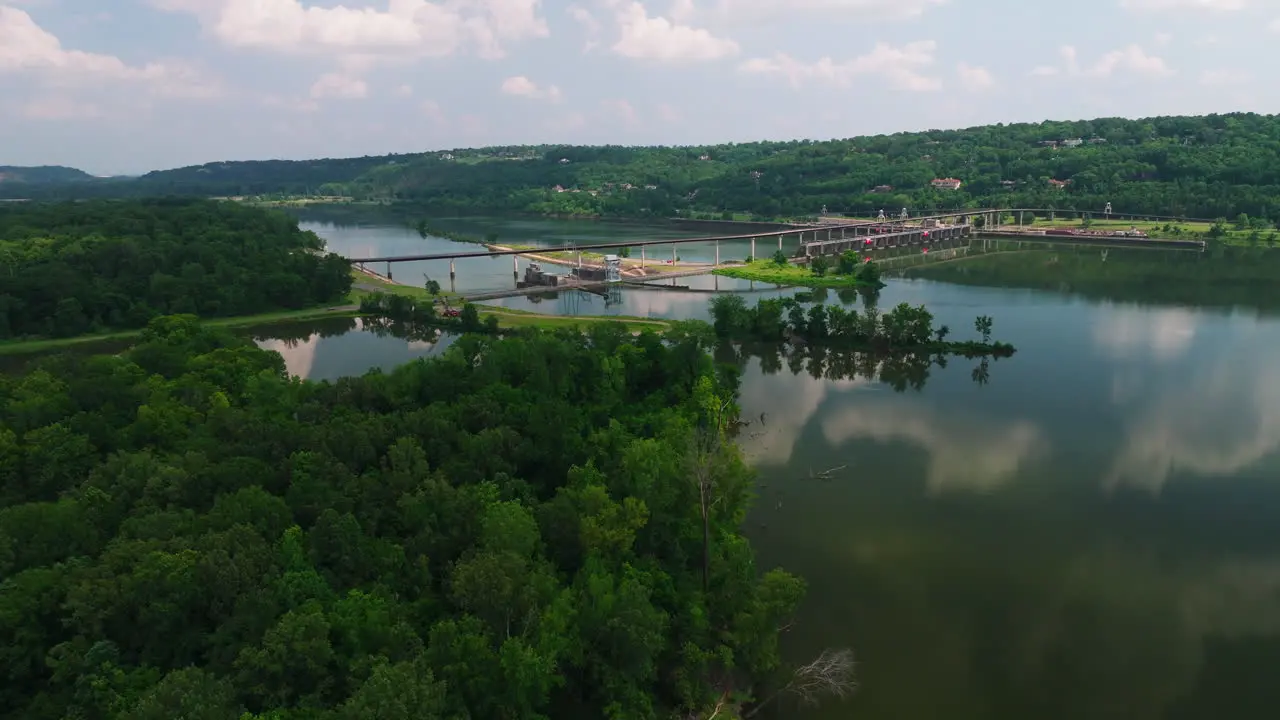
<point>1093,532</point>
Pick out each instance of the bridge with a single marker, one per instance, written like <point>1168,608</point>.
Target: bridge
<point>899,230</point>
<point>947,232</point>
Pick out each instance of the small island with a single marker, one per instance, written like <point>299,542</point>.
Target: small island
<point>847,270</point>
<point>904,329</point>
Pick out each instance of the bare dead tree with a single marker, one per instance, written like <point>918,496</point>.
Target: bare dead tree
<point>831,674</point>
<point>708,445</point>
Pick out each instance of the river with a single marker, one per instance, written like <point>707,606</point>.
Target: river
<point>1093,532</point>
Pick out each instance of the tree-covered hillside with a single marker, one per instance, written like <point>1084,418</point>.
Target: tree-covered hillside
<point>77,267</point>
<point>544,527</point>
<point>1212,166</point>
<point>44,174</point>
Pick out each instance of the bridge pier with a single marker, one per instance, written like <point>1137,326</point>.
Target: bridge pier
<point>717,252</point>
<point>641,257</point>
<point>673,256</point>
<point>388,270</point>
<point>753,248</point>
<point>453,272</point>
<point>515,266</point>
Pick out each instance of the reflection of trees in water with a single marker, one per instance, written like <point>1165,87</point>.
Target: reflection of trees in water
<point>417,332</point>
<point>897,370</point>
<point>291,334</point>
<point>1226,276</point>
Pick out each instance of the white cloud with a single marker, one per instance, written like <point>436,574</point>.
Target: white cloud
<point>1211,5</point>
<point>657,38</point>
<point>622,110</point>
<point>433,112</point>
<point>975,78</point>
<point>1131,59</point>
<point>404,91</point>
<point>1274,26</point>
<point>899,67</point>
<point>338,86</point>
<point>1162,39</point>
<point>60,108</point>
<point>966,453</point>
<point>1126,332</point>
<point>521,86</point>
<point>669,114</point>
<point>405,27</point>
<point>25,47</point>
<point>756,11</point>
<point>1219,78</point>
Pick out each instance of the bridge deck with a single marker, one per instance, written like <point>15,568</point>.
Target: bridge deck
<point>538,290</point>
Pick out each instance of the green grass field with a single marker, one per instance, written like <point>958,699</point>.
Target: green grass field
<point>770,272</point>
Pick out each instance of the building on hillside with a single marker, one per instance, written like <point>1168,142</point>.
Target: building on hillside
<point>1072,143</point>
<point>882,189</point>
<point>1058,184</point>
<point>946,184</point>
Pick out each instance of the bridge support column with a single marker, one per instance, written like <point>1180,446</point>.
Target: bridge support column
<point>753,248</point>
<point>779,242</point>
<point>453,272</point>
<point>673,256</point>
<point>388,271</point>
<point>717,252</point>
<point>641,257</point>
<point>579,259</point>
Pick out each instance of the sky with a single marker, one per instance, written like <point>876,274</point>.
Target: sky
<point>127,86</point>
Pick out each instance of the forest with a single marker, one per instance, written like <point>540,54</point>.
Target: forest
<point>539,527</point>
<point>1208,167</point>
<point>79,267</point>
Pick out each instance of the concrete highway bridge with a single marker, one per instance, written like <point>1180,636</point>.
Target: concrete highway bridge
<point>819,235</point>
<point>830,236</point>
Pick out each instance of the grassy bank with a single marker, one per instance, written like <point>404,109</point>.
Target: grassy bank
<point>770,272</point>
<point>17,347</point>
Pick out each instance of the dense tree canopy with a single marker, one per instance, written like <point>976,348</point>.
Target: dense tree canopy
<point>72,268</point>
<point>543,527</point>
<point>1209,167</point>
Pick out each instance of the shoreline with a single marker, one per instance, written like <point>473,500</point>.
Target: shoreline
<point>20,347</point>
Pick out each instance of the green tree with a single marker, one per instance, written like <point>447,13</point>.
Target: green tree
<point>983,325</point>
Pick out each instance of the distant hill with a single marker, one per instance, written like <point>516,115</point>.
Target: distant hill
<point>1209,166</point>
<point>255,177</point>
<point>44,174</point>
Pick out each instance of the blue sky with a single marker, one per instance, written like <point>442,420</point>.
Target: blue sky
<point>125,86</point>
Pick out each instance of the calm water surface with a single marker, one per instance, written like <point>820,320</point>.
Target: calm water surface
<point>1094,533</point>
<point>376,235</point>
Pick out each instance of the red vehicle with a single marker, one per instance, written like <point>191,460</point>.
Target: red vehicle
<point>452,312</point>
